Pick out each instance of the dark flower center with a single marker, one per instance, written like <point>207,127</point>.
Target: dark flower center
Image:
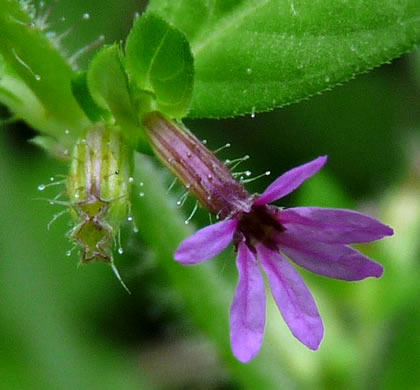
<point>259,226</point>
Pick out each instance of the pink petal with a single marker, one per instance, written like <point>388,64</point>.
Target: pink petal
<point>206,243</point>
<point>290,180</point>
<point>247,313</point>
<point>293,298</point>
<point>334,261</point>
<point>334,226</point>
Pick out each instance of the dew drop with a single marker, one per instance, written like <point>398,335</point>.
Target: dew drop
<point>67,131</point>
<point>37,77</point>
<point>204,141</point>
<point>120,251</point>
<point>68,253</point>
<point>41,187</point>
<point>249,71</point>
<point>141,184</point>
<point>130,179</point>
<point>253,113</point>
<point>141,194</point>
<point>51,178</point>
<point>188,186</point>
<point>130,219</point>
<point>186,222</point>
<point>178,202</point>
<point>135,229</point>
<point>267,173</point>
<point>327,79</point>
<point>86,16</point>
<point>136,15</point>
<point>248,173</point>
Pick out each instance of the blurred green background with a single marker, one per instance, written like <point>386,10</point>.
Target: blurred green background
<point>64,327</point>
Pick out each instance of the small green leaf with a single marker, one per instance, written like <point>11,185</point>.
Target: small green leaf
<point>81,92</point>
<point>159,60</point>
<point>255,55</point>
<point>108,86</point>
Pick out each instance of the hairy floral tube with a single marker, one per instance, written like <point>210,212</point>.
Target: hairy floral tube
<point>201,172</point>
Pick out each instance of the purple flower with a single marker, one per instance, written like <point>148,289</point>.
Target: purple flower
<point>314,238</point>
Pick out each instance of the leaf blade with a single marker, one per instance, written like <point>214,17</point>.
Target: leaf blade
<point>253,56</point>
<point>159,60</point>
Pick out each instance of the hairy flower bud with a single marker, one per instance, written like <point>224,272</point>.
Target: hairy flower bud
<point>98,189</point>
<point>200,171</point>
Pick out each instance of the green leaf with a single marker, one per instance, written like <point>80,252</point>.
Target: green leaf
<point>108,85</point>
<point>79,87</point>
<point>159,60</point>
<point>255,55</point>
<point>39,69</point>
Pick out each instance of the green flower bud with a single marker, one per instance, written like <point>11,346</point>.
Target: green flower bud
<point>98,189</point>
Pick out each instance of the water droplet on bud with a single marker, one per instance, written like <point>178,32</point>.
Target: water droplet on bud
<point>120,251</point>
